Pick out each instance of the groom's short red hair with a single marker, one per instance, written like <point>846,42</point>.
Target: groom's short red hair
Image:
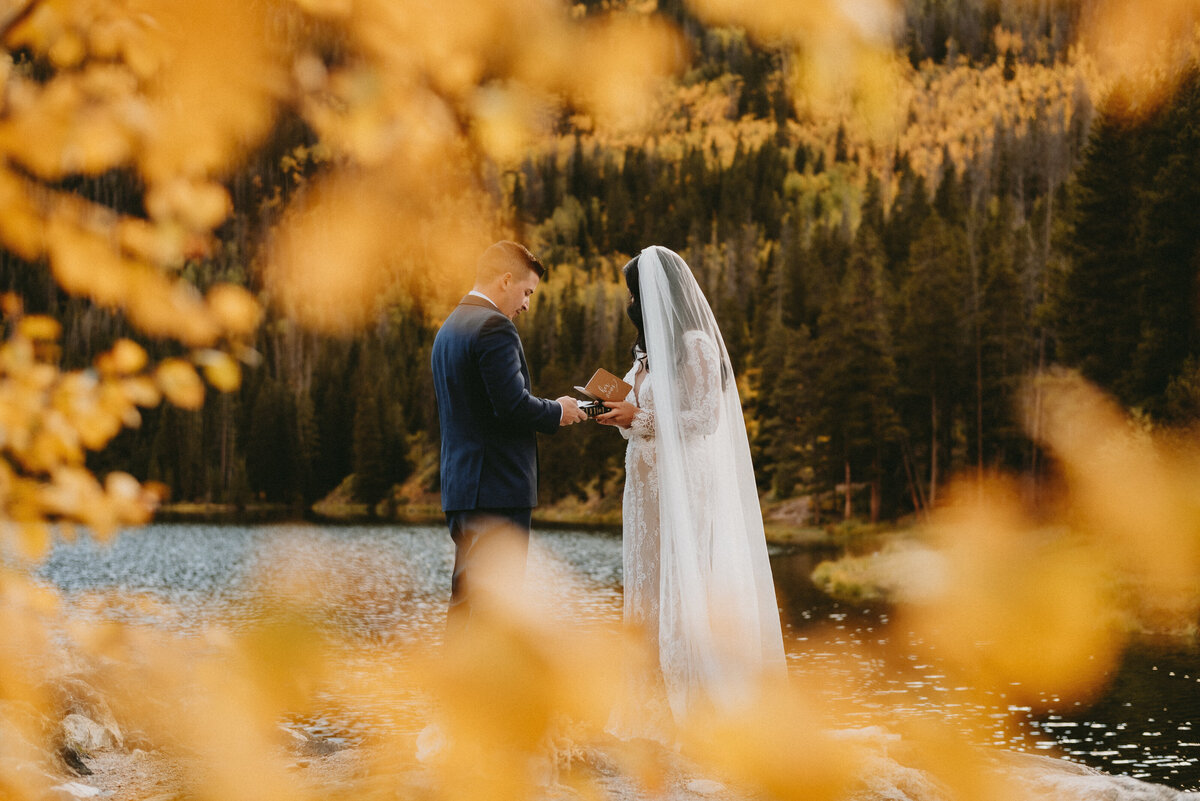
<point>506,256</point>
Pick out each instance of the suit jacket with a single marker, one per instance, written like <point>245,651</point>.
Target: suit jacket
<point>488,418</point>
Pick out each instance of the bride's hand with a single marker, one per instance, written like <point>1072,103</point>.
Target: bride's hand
<point>621,414</point>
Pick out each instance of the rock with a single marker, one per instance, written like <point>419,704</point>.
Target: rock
<point>305,744</point>
<point>291,737</point>
<point>85,736</point>
<point>73,760</point>
<point>431,744</point>
<point>1039,778</point>
<point>598,760</point>
<point>137,740</point>
<point>705,787</point>
<point>1059,780</point>
<point>77,790</point>
<point>561,792</point>
<point>866,735</point>
<point>74,696</point>
<point>543,772</point>
<point>888,780</point>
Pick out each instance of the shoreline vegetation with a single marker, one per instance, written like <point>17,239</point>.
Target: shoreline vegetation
<point>785,523</point>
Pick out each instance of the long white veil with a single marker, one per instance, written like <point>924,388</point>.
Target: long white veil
<point>719,630</point>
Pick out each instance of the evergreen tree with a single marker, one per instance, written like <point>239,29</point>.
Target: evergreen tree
<point>931,333</point>
<point>306,447</point>
<point>370,461</point>
<point>1169,249</point>
<point>1006,349</point>
<point>855,382</point>
<point>268,468</point>
<point>786,446</point>
<point>1096,330</point>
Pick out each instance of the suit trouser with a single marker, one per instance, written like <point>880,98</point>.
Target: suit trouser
<point>484,539</point>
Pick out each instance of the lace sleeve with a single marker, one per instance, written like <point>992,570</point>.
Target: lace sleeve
<point>641,426</point>
<point>701,391</point>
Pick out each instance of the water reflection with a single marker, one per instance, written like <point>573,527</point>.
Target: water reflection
<point>1145,725</point>
<point>390,583</point>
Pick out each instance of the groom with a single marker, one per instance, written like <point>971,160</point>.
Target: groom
<point>488,418</point>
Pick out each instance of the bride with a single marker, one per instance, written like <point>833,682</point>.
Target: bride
<point>697,578</point>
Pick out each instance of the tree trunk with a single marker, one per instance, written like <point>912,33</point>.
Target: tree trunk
<point>876,493</point>
<point>1035,466</point>
<point>914,488</point>
<point>978,395</point>
<point>226,435</point>
<point>933,450</point>
<point>977,335</point>
<point>849,511</point>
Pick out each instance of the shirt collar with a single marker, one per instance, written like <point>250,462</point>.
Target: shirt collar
<point>479,294</point>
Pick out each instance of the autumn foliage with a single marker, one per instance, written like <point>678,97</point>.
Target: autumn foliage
<point>414,114</point>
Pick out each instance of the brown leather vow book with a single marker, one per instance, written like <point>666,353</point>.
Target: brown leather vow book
<point>602,386</point>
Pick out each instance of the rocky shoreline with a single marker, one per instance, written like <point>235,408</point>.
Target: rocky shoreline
<point>97,758</point>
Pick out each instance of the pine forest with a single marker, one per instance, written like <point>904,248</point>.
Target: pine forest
<point>888,285</point>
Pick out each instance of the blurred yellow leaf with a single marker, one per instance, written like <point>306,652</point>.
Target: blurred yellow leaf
<point>39,327</point>
<point>154,492</point>
<point>200,206</point>
<point>331,8</point>
<point>22,227</point>
<point>142,390</point>
<point>132,505</point>
<point>218,72</point>
<point>757,746</point>
<point>614,67</point>
<point>34,540</point>
<point>1022,606</point>
<point>180,384</point>
<point>115,402</point>
<point>55,443</point>
<point>504,117</point>
<point>125,358</point>
<point>234,308</point>
<point>1141,48</point>
<point>328,265</point>
<point>159,243</point>
<point>97,428</point>
<point>164,308</point>
<point>11,304</point>
<point>221,370</point>
<point>1116,474</point>
<point>85,264</point>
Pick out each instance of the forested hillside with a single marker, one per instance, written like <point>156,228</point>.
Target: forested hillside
<point>883,295</point>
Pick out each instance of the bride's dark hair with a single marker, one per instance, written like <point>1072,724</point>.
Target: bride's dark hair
<point>685,319</point>
<point>630,270</point>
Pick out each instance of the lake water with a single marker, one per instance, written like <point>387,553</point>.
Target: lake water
<point>385,582</point>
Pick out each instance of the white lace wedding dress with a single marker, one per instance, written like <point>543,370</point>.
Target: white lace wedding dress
<point>649,715</point>
<point>697,578</point>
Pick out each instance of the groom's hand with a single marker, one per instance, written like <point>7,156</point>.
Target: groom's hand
<point>571,413</point>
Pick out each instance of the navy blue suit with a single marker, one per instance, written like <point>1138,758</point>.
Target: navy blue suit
<point>489,425</point>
